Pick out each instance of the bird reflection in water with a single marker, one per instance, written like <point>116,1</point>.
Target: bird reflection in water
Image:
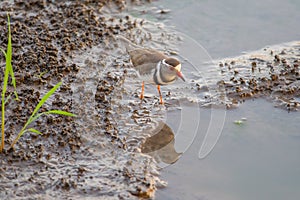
<point>161,145</point>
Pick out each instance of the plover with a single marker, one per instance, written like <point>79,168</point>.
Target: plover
<point>153,66</point>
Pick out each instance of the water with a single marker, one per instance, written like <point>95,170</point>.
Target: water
<point>231,27</point>
<point>258,159</point>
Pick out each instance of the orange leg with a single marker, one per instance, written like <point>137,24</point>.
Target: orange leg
<point>142,93</point>
<point>160,96</point>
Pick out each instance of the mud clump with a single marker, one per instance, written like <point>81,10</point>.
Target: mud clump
<point>105,89</point>
<point>272,73</point>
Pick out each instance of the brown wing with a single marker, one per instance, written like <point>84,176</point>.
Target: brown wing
<point>145,69</point>
<point>145,56</point>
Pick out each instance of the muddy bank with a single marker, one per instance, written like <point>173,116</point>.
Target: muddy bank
<point>96,154</point>
<point>272,73</point>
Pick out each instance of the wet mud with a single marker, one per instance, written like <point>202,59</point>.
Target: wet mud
<point>272,73</point>
<point>93,155</point>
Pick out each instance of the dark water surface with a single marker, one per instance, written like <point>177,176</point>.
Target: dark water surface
<point>259,158</point>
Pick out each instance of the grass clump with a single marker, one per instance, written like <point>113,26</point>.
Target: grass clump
<point>35,114</point>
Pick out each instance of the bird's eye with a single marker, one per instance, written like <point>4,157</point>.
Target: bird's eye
<point>171,68</point>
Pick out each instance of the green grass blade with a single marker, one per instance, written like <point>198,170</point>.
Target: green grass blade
<point>9,59</point>
<point>34,131</point>
<point>7,99</point>
<point>56,112</point>
<point>34,114</point>
<point>32,119</point>
<point>5,82</point>
<point>18,137</point>
<point>60,112</point>
<point>9,47</point>
<point>3,52</point>
<point>45,98</point>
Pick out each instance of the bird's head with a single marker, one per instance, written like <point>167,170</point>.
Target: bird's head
<point>173,67</point>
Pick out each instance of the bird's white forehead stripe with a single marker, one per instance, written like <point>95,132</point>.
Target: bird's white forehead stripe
<point>178,67</point>
<point>164,62</point>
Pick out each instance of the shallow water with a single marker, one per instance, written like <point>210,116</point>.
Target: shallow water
<point>258,158</point>
<point>231,27</point>
<point>254,160</point>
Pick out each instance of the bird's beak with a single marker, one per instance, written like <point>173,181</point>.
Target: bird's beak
<point>180,75</point>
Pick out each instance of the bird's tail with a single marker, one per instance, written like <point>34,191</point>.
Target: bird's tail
<point>127,43</point>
